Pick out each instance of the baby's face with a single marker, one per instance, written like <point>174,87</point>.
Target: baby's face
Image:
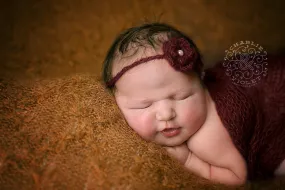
<point>162,105</point>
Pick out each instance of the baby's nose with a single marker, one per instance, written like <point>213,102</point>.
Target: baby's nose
<point>165,115</point>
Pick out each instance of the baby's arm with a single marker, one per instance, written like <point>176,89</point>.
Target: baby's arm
<point>211,172</point>
<point>204,169</point>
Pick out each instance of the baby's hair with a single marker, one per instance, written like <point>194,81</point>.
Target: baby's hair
<point>140,36</point>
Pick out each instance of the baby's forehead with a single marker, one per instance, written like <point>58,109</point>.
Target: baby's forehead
<point>137,50</point>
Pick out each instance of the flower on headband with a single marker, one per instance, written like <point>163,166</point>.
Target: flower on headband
<point>179,53</point>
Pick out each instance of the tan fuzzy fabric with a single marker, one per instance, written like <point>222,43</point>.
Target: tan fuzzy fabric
<point>69,134</point>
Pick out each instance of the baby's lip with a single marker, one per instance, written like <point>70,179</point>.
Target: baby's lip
<point>171,132</point>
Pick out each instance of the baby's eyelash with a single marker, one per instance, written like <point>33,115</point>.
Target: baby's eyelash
<point>138,108</point>
<point>182,97</point>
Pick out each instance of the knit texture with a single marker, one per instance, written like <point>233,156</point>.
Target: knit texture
<point>68,133</point>
<point>254,116</point>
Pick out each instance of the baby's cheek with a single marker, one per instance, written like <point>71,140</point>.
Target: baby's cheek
<point>192,116</point>
<point>142,124</point>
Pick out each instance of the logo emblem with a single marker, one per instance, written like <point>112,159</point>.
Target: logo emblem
<point>245,63</point>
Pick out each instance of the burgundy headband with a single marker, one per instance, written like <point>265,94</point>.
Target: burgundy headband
<point>177,51</point>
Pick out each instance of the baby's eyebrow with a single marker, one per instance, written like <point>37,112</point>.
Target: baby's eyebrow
<point>172,95</point>
<point>144,101</point>
<point>136,101</point>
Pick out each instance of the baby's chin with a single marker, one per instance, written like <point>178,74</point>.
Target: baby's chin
<point>170,142</point>
<point>164,141</point>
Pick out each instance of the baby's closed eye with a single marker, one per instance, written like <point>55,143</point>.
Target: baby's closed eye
<point>182,96</point>
<point>140,107</point>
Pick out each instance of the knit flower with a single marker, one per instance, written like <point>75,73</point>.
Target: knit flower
<point>179,53</point>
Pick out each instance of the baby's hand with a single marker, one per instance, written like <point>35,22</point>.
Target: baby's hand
<point>180,152</point>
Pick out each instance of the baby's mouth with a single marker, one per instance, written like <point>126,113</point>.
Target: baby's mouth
<point>171,132</point>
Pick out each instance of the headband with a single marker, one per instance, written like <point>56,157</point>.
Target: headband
<point>179,54</point>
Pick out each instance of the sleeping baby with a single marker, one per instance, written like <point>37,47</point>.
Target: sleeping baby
<point>218,130</point>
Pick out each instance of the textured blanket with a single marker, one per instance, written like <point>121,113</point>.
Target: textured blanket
<point>254,116</point>
<point>69,134</point>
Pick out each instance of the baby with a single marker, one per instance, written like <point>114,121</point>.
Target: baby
<point>156,75</point>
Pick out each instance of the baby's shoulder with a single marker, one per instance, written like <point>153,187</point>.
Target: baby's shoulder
<point>210,136</point>
<point>212,142</point>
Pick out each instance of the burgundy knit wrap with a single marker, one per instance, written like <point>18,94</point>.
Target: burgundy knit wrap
<point>179,54</point>
<point>253,116</point>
